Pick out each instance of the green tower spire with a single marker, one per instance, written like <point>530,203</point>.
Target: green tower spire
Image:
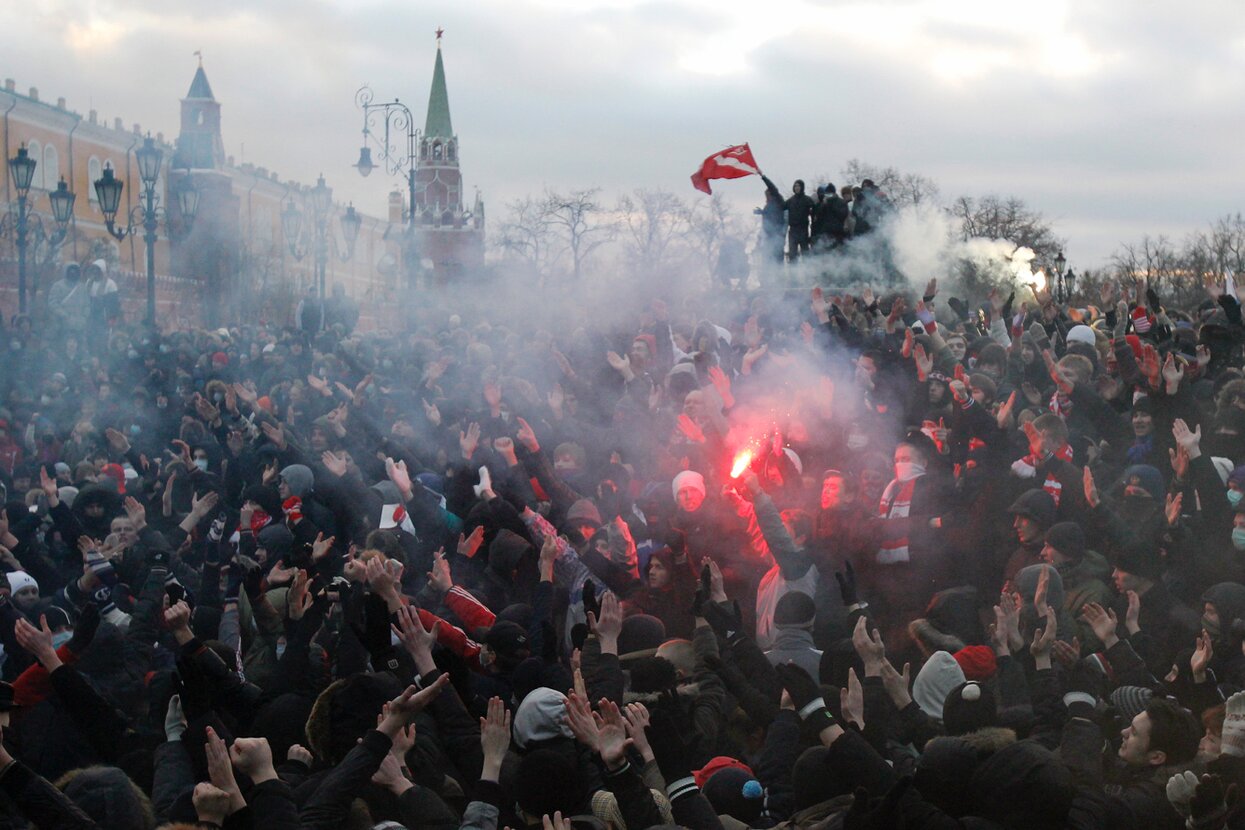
<point>438,123</point>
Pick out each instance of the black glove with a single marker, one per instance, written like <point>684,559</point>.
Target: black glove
<point>725,619</point>
<point>591,604</point>
<point>374,634</point>
<point>159,558</point>
<point>252,580</point>
<point>702,592</point>
<point>1006,311</point>
<point>961,310</point>
<point>84,630</point>
<point>233,584</point>
<point>1211,801</point>
<point>847,585</point>
<point>806,695</point>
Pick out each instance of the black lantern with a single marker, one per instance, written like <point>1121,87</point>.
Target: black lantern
<point>187,198</point>
<point>351,222</point>
<point>149,157</point>
<point>108,193</point>
<point>1060,262</point>
<point>22,167</point>
<point>62,200</point>
<point>291,223</point>
<point>365,165</point>
<point>1069,281</point>
<point>321,197</point>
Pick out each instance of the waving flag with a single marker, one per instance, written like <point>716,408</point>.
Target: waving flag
<point>731,163</point>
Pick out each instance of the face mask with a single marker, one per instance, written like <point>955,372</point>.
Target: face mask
<point>856,442</point>
<point>132,354</point>
<point>280,649</point>
<point>201,463</point>
<point>1212,628</point>
<point>1238,538</point>
<point>217,397</point>
<point>135,429</point>
<point>164,349</point>
<point>1234,497</point>
<point>906,470</point>
<point>162,404</point>
<point>60,638</point>
<point>45,399</point>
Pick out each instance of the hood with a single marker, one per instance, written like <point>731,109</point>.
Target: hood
<point>506,551</point>
<point>299,478</point>
<point>346,711</point>
<point>540,717</point>
<point>1229,600</point>
<point>276,539</point>
<point>388,492</point>
<point>583,512</point>
<point>107,795</point>
<point>936,679</point>
<point>1151,480</point>
<point>1023,785</point>
<point>1037,505</point>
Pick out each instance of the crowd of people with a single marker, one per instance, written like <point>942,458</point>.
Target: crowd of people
<point>821,225</point>
<point>877,561</point>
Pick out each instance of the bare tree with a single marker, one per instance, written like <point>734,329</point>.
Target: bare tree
<point>1214,254</point>
<point>654,225</point>
<point>1010,219</point>
<point>711,225</point>
<point>578,219</point>
<point>1153,262</point>
<point>528,235</point>
<point>901,188</point>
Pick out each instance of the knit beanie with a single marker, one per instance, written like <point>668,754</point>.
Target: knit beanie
<point>541,716</point>
<point>1130,701</point>
<point>736,793</point>
<point>299,478</point>
<point>1149,478</point>
<point>969,707</point>
<point>688,478</point>
<point>717,763</point>
<point>794,610</point>
<point>934,682</point>
<point>1233,740</point>
<point>1068,539</point>
<point>978,662</point>
<point>1081,334</point>
<point>641,633</point>
<point>19,580</point>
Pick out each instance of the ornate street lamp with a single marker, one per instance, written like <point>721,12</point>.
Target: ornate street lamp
<point>394,119</point>
<point>149,213</point>
<point>24,223</point>
<point>1060,262</point>
<point>321,199</point>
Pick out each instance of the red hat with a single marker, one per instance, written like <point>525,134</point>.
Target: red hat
<point>117,474</point>
<point>265,403</point>
<point>1142,321</point>
<point>650,341</point>
<point>1134,343</point>
<point>220,359</point>
<point>977,662</point>
<point>721,762</point>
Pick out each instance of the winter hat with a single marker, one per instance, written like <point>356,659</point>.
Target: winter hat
<point>1223,466</point>
<point>299,478</point>
<point>433,482</point>
<point>934,682</point>
<point>942,773</point>
<point>978,662</point>
<point>1140,559</point>
<point>506,550</point>
<point>346,711</point>
<point>114,473</point>
<point>1081,334</point>
<point>649,675</point>
<point>717,764</point>
<point>688,478</point>
<point>641,634</point>
<point>1131,701</point>
<point>508,640</point>
<point>583,512</point>
<point>276,539</point>
<point>736,793</point>
<point>267,497</point>
<point>969,707</point>
<point>1068,539</point>
<point>1237,476</point>
<point>540,717</point>
<point>67,495</point>
<point>1037,505</point>
<point>19,580</point>
<point>549,780</point>
<point>794,610</point>
<point>1151,480</point>
<point>61,468</point>
<point>108,796</point>
<point>1142,321</point>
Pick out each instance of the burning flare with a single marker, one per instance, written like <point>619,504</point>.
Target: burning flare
<point>741,463</point>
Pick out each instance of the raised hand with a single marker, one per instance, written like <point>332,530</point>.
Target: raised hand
<point>1004,416</point>
<point>1133,615</point>
<point>439,577</point>
<point>117,442</point>
<point>527,436</point>
<point>469,440</point>
<point>335,463</point>
<point>1091,489</point>
<point>1102,621</point>
<point>869,646</point>
<point>494,738</point>
<point>852,700</point>
<point>417,640</point>
<point>1188,440</point>
<point>1201,658</point>
<point>220,770</point>
<point>399,476</point>
<point>723,384</point>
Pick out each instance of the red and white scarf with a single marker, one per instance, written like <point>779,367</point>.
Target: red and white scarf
<point>896,502</point>
<point>1027,468</point>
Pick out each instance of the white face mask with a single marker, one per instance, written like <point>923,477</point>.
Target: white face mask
<point>856,441</point>
<point>905,470</point>
<point>60,638</point>
<point>201,463</point>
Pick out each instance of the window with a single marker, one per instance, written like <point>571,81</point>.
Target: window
<point>450,150</point>
<point>35,149</point>
<point>51,167</point>
<point>447,218</point>
<point>93,171</point>
<point>436,151</point>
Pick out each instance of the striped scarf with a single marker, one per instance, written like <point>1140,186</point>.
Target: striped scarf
<point>1027,468</point>
<point>896,502</point>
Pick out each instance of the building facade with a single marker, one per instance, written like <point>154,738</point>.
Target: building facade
<point>235,263</point>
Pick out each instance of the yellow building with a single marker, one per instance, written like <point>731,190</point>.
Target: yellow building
<point>233,266</point>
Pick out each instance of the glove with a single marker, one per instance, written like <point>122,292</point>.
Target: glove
<point>725,620</point>
<point>252,583</point>
<point>1180,790</point>
<point>1210,801</point>
<point>486,482</point>
<point>1083,685</point>
<point>374,634</point>
<point>84,630</point>
<point>1234,726</point>
<point>159,558</point>
<point>847,585</point>
<point>672,753</point>
<point>806,695</point>
<point>102,597</point>
<point>702,592</point>
<point>591,604</point>
<point>174,720</point>
<point>233,586</point>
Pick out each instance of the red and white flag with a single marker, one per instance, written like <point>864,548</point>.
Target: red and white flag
<point>395,515</point>
<point>731,163</point>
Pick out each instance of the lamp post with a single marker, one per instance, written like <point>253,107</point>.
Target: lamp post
<point>321,200</point>
<point>1060,262</point>
<point>395,119</point>
<point>24,222</point>
<point>149,213</point>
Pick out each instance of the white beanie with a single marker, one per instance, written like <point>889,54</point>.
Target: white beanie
<point>1082,334</point>
<point>541,716</point>
<point>20,579</point>
<point>794,457</point>
<point>940,674</point>
<point>688,478</point>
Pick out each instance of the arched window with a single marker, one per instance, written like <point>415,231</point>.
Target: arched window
<point>426,217</point>
<point>447,218</point>
<point>35,150</point>
<point>93,171</point>
<point>423,151</point>
<point>450,151</point>
<point>436,151</point>
<point>51,167</point>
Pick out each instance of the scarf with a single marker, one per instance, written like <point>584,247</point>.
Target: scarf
<point>1027,468</point>
<point>895,504</point>
<point>293,507</point>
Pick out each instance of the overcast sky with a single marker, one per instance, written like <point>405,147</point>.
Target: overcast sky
<point>1114,117</point>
